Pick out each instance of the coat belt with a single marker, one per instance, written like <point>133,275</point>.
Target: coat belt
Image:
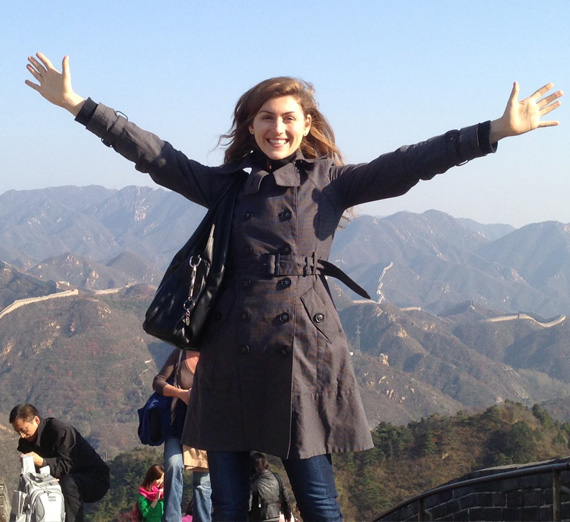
<point>277,265</point>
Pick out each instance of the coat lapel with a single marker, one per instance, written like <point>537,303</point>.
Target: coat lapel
<point>286,176</point>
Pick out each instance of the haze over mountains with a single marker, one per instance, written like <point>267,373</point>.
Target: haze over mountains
<point>463,315</point>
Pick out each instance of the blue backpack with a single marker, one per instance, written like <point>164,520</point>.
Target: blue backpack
<point>155,417</point>
<point>154,420</point>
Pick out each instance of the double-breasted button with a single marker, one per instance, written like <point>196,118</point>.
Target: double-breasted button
<point>286,215</point>
<point>285,282</point>
<point>284,350</point>
<point>247,249</point>
<point>243,349</point>
<point>246,283</point>
<point>285,250</point>
<point>319,318</point>
<point>247,215</point>
<point>284,317</point>
<point>245,316</point>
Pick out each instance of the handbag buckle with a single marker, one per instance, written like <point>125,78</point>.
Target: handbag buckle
<point>190,303</point>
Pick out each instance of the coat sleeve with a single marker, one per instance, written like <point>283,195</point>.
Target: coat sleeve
<point>145,506</point>
<point>166,165</point>
<point>65,442</point>
<point>284,497</point>
<point>394,173</point>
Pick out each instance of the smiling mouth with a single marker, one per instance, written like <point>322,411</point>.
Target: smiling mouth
<point>277,141</point>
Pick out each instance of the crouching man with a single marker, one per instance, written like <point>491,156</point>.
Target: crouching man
<point>82,474</point>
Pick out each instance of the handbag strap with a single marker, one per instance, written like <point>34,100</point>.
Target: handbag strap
<point>176,381</point>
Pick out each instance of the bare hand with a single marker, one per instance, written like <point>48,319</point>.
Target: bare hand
<point>53,85</point>
<point>185,396</point>
<point>525,115</point>
<point>38,461</point>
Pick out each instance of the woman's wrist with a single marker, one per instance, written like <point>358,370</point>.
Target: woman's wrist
<point>499,130</point>
<point>73,103</point>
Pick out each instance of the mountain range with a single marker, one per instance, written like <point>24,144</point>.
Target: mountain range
<point>463,315</point>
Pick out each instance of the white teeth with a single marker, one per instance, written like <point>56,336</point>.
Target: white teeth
<point>278,142</point>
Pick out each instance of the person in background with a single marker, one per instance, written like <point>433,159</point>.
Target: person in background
<point>151,494</point>
<point>269,498</point>
<point>182,364</point>
<point>275,374</point>
<point>82,474</point>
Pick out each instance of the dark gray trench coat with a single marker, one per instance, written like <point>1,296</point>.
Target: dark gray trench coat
<point>275,373</point>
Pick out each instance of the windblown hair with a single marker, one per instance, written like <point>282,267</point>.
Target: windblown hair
<point>153,473</point>
<point>23,412</point>
<point>318,143</point>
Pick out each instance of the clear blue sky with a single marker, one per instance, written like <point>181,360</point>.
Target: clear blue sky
<point>387,73</point>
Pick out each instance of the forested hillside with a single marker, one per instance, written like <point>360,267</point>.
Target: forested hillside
<point>405,460</point>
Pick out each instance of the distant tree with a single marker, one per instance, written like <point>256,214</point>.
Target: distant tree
<point>424,436</point>
<point>543,417</point>
<point>427,445</point>
<point>515,443</point>
<point>391,441</point>
<point>492,415</point>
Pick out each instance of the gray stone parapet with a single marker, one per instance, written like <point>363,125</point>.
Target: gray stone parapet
<point>531,492</point>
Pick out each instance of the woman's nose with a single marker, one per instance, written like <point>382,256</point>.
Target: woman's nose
<point>279,126</point>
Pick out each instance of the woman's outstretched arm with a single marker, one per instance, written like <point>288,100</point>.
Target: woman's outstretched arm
<point>525,115</point>
<point>53,85</point>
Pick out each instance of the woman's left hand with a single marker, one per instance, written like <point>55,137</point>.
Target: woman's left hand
<point>525,115</point>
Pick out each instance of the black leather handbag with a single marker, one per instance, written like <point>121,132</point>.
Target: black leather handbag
<point>191,282</point>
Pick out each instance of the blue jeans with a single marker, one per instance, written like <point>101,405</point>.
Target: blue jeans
<point>202,497</point>
<point>312,481</point>
<point>174,486</point>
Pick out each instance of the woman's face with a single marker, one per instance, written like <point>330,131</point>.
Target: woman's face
<point>279,127</point>
<point>159,482</point>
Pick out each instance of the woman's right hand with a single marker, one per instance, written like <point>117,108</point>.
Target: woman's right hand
<point>53,85</point>
<point>185,396</point>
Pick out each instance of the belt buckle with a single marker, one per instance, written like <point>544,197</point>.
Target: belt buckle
<point>310,264</point>
<point>273,264</point>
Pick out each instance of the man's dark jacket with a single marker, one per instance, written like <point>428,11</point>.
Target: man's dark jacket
<point>64,450</point>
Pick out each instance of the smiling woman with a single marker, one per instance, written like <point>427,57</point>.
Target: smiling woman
<point>275,373</point>
<point>297,99</point>
<point>279,127</point>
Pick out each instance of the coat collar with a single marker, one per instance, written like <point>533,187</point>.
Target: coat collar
<point>285,176</point>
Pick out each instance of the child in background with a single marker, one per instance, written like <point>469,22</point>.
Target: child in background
<point>151,494</point>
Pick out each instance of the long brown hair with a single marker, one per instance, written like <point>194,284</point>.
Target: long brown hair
<point>319,142</point>
<point>153,473</point>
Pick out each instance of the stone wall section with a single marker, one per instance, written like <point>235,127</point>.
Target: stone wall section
<point>528,498</point>
<point>4,502</point>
